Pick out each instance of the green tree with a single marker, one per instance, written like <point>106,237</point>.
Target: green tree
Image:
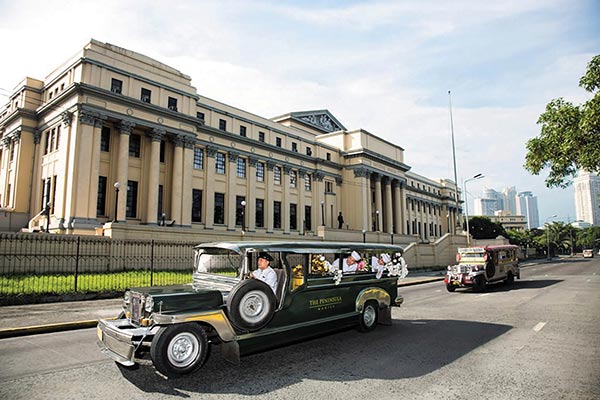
<point>484,228</point>
<point>570,135</point>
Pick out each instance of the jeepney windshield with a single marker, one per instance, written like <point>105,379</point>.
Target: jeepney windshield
<point>469,257</point>
<point>218,261</point>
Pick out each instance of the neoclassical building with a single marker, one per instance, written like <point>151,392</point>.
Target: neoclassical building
<point>115,140</point>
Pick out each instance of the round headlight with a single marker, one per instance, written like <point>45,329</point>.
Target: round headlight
<point>149,305</point>
<point>126,297</point>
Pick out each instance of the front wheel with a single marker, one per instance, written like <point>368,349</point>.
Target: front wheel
<point>479,283</point>
<point>368,317</point>
<point>451,288</point>
<point>179,349</point>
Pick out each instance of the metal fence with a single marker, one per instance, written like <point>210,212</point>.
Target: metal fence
<point>41,264</point>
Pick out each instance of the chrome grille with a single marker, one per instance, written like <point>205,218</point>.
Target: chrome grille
<point>136,307</point>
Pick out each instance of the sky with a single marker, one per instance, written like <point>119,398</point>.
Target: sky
<point>383,66</point>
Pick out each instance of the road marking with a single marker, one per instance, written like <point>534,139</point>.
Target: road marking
<point>539,327</point>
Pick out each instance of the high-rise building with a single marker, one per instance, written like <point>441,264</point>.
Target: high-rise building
<point>510,199</point>
<point>527,206</point>
<point>485,206</point>
<point>587,201</point>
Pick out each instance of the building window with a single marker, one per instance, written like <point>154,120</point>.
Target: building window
<point>222,125</point>
<point>57,138</point>
<point>277,175</point>
<point>307,182</point>
<point>277,214</point>
<point>198,158</point>
<point>135,144</point>
<point>308,218</point>
<point>328,187</point>
<point>196,205</point>
<point>200,115</point>
<point>101,203</point>
<point>146,95</point>
<point>243,131</point>
<point>308,151</point>
<point>261,136</point>
<point>328,156</point>
<point>293,217</point>
<point>46,147</point>
<point>161,155</point>
<point>219,208</point>
<point>260,213</point>
<point>116,86</point>
<point>239,210</point>
<point>260,171</point>
<point>132,198</point>
<point>220,163</point>
<point>294,147</point>
<point>105,139</point>
<point>172,104</point>
<point>241,168</point>
<point>293,179</point>
<point>278,142</point>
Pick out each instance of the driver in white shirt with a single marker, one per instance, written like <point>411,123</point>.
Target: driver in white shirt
<point>264,272</point>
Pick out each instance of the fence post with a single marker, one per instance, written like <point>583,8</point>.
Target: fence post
<point>77,262</point>
<point>151,262</point>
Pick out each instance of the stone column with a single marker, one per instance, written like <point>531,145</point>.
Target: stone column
<point>389,217</point>
<point>251,196</point>
<point>153,172</point>
<point>125,128</point>
<point>398,203</point>
<point>300,205</point>
<point>319,198</point>
<point>188,166</point>
<point>176,181</point>
<point>405,210</point>
<point>378,204</point>
<point>95,167</point>
<point>269,196</point>
<point>285,204</point>
<point>209,187</point>
<point>365,197</point>
<point>231,204</point>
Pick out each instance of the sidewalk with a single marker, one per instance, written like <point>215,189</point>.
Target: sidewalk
<point>33,319</point>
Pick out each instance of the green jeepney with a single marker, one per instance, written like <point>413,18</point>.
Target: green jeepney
<point>316,292</point>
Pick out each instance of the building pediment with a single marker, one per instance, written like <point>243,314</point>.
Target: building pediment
<point>321,120</point>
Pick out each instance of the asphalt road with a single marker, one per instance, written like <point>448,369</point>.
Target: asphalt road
<point>539,338</point>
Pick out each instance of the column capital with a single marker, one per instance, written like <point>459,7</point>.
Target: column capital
<point>362,172</point>
<point>211,151</point>
<point>318,176</point>
<point>270,165</point>
<point>338,180</point>
<point>252,161</point>
<point>67,118</point>
<point>286,169</point>
<point>157,134</point>
<point>125,126</point>
<point>37,136</point>
<point>86,117</point>
<point>233,156</point>
<point>189,142</point>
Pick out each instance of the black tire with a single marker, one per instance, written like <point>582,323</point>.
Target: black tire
<point>479,283</point>
<point>179,349</point>
<point>510,278</point>
<point>451,288</point>
<point>251,305</point>
<point>368,316</point>
<point>490,270</point>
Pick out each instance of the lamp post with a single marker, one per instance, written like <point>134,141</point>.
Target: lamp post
<point>547,228</point>
<point>322,213</point>
<point>162,221</point>
<point>364,236</point>
<point>243,203</point>
<point>117,185</point>
<point>377,220</point>
<point>478,176</point>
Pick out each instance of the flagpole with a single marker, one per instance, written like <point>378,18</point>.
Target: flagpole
<point>453,156</point>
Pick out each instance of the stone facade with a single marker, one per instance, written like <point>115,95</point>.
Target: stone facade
<point>181,160</point>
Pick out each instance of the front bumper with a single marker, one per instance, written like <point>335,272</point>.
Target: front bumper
<point>119,339</point>
<point>461,280</point>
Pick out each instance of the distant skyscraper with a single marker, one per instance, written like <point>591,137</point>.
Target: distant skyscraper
<point>587,203</point>
<point>527,206</point>
<point>485,206</point>
<point>510,199</point>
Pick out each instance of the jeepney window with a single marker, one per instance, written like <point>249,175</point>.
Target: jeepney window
<point>320,264</point>
<point>361,266</point>
<point>218,261</point>
<point>502,255</point>
<point>297,263</point>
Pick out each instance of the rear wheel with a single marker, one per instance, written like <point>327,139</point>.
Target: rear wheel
<point>510,278</point>
<point>368,316</point>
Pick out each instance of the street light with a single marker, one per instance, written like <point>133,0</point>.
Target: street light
<point>162,221</point>
<point>322,213</point>
<point>377,220</point>
<point>243,216</point>
<point>364,236</point>
<point>478,176</point>
<point>117,185</point>
<point>547,228</point>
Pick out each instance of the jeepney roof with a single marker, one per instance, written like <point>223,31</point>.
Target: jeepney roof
<point>487,248</point>
<point>300,246</point>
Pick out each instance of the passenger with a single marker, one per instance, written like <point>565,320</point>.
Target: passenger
<point>264,272</point>
<point>378,263</point>
<point>350,263</point>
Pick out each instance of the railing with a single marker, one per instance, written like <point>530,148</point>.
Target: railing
<point>44,264</point>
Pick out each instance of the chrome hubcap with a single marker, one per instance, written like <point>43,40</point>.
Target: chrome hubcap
<point>183,349</point>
